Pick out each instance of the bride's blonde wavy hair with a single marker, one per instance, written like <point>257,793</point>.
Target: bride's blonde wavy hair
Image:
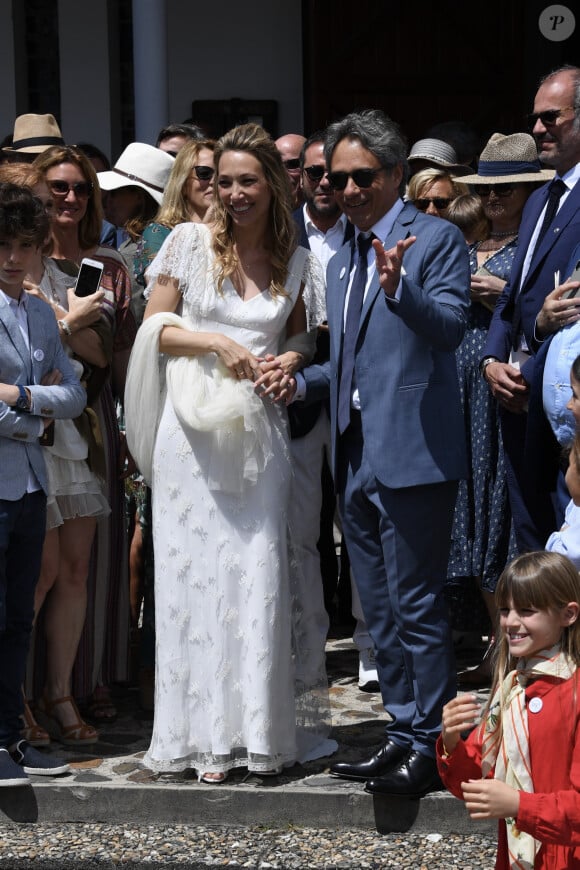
<point>281,238</point>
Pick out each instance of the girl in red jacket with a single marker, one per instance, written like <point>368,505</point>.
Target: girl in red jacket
<point>522,763</point>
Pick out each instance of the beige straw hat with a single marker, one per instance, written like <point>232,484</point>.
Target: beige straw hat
<point>509,159</point>
<point>34,134</point>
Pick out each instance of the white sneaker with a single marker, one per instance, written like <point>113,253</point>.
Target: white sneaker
<point>368,680</point>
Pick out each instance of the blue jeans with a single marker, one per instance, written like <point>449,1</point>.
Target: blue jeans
<point>22,530</point>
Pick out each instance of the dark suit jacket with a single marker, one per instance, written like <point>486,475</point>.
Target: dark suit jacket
<point>553,254</point>
<point>303,417</point>
<point>405,367</point>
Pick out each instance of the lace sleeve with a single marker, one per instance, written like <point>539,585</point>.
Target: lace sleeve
<point>314,293</point>
<point>180,255</point>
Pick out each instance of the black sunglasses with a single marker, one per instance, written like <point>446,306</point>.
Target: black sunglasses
<point>363,178</point>
<point>292,163</point>
<point>548,118</point>
<point>81,189</point>
<point>315,173</point>
<point>204,173</point>
<point>440,202</point>
<point>498,189</point>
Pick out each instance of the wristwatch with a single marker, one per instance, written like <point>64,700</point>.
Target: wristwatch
<point>22,402</point>
<point>484,364</point>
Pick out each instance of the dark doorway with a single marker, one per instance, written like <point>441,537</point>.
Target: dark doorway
<point>427,63</point>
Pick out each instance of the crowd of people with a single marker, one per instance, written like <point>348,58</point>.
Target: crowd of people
<point>291,338</point>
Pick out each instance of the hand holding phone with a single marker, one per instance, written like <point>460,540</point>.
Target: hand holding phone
<point>89,277</point>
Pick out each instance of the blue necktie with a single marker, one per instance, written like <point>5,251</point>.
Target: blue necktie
<point>355,301</point>
<point>556,189</point>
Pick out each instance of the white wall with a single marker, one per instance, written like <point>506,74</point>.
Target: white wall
<point>84,72</point>
<point>251,50</point>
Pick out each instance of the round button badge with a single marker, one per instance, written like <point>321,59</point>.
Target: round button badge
<point>535,705</point>
<point>557,23</point>
<point>38,354</point>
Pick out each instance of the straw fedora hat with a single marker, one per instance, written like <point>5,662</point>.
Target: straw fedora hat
<point>438,153</point>
<point>34,134</point>
<point>139,165</point>
<point>509,159</point>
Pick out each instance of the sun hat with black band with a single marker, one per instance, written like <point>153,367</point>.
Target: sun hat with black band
<point>33,134</point>
<point>509,159</point>
<point>438,153</point>
<point>140,165</point>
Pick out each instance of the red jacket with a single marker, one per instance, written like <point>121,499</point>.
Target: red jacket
<point>551,813</point>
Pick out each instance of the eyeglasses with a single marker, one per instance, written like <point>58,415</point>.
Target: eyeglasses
<point>292,163</point>
<point>204,173</point>
<point>81,189</point>
<point>440,202</point>
<point>315,173</point>
<point>363,178</point>
<point>498,189</point>
<point>549,117</point>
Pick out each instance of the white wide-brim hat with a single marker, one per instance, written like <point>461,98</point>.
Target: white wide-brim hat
<point>140,165</point>
<point>508,159</point>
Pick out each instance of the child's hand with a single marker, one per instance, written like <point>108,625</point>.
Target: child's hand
<point>460,714</point>
<point>490,799</point>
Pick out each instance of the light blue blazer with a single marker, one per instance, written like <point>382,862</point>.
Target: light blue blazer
<point>19,433</point>
<point>405,367</point>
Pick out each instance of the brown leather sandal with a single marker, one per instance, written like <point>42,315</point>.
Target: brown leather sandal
<point>76,734</point>
<point>32,732</point>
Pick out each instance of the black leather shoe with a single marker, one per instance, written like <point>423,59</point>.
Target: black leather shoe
<point>414,777</point>
<point>388,756</point>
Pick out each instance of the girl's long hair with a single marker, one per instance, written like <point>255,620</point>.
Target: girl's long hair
<point>543,581</point>
<point>281,237</point>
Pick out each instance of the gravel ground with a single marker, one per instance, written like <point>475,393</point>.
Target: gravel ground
<point>98,846</point>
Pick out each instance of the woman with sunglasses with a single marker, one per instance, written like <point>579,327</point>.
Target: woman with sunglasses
<point>225,298</point>
<point>431,190</point>
<point>187,197</point>
<point>482,540</point>
<point>103,647</point>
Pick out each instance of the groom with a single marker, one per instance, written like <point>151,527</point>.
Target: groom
<point>397,302</point>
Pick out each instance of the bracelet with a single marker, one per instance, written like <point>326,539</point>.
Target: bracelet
<point>65,327</point>
<point>446,752</point>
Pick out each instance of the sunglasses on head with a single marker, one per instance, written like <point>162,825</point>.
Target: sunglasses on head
<point>315,173</point>
<point>292,163</point>
<point>204,173</point>
<point>548,118</point>
<point>498,189</point>
<point>440,202</point>
<point>363,178</point>
<point>81,189</point>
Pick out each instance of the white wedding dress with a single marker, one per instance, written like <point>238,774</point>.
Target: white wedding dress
<point>227,621</point>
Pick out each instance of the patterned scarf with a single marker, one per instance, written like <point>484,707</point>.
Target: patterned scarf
<point>506,740</point>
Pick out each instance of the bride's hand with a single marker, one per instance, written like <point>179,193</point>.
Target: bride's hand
<point>237,359</point>
<point>273,380</point>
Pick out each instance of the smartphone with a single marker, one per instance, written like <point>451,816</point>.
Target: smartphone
<point>89,277</point>
<point>575,276</point>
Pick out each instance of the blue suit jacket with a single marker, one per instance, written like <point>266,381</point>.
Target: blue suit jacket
<point>405,367</point>
<point>19,433</point>
<point>553,254</point>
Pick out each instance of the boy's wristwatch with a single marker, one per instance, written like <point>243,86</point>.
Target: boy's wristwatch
<point>22,402</point>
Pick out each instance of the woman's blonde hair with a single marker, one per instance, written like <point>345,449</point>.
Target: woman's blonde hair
<point>89,228</point>
<point>281,239</point>
<point>22,174</point>
<point>174,208</point>
<point>426,178</point>
<point>544,581</point>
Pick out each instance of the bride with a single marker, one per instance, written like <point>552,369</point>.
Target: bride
<point>204,429</point>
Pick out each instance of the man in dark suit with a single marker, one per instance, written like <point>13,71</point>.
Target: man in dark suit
<point>524,317</point>
<point>397,302</point>
<point>323,229</point>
